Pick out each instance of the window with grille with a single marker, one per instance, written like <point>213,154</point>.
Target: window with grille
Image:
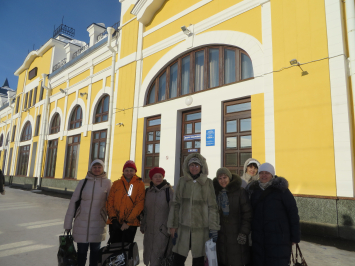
<point>24,154</point>
<point>204,68</point>
<point>38,123</point>
<point>72,156</point>
<point>26,132</point>
<point>55,125</point>
<point>76,118</point>
<point>101,114</point>
<point>152,146</point>
<point>32,73</point>
<point>98,145</point>
<point>51,157</point>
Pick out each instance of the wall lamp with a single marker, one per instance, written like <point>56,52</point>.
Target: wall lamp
<point>294,62</point>
<point>62,91</point>
<point>120,124</point>
<point>82,94</point>
<point>186,30</point>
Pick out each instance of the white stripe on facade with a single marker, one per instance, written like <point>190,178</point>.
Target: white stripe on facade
<point>339,87</point>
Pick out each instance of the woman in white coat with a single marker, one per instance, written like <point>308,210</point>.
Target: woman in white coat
<point>90,218</point>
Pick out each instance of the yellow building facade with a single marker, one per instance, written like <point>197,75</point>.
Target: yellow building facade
<point>231,79</point>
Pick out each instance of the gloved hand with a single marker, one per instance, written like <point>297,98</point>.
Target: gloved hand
<point>116,225</point>
<point>241,239</point>
<point>174,238</point>
<point>214,235</point>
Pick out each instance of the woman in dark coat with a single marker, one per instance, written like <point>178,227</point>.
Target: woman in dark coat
<point>275,224</point>
<point>235,218</point>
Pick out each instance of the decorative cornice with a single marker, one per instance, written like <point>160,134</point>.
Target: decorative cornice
<point>146,9</point>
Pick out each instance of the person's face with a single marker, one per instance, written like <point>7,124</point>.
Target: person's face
<point>252,170</point>
<point>223,180</point>
<point>157,179</point>
<point>129,173</point>
<point>195,168</point>
<point>265,177</point>
<point>97,169</point>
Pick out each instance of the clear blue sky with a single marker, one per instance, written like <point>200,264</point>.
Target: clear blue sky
<point>26,23</point>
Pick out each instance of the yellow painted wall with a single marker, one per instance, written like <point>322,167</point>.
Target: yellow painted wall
<point>104,64</point>
<point>56,89</point>
<point>95,88</point>
<point>20,83</point>
<point>84,154</point>
<point>127,16</point>
<point>193,17</point>
<point>108,81</point>
<point>42,63</point>
<point>303,115</point>
<point>139,145</point>
<point>122,135</point>
<point>129,35</point>
<point>79,77</point>
<point>258,127</point>
<point>71,99</point>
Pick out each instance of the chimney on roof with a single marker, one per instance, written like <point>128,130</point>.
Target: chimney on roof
<point>94,30</point>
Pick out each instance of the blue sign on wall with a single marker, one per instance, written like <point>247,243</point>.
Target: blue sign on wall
<point>210,137</point>
<point>192,137</point>
<point>192,150</point>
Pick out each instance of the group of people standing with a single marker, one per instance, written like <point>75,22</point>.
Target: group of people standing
<point>253,219</point>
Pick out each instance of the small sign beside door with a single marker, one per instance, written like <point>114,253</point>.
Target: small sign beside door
<point>210,137</point>
<point>192,150</point>
<point>192,137</point>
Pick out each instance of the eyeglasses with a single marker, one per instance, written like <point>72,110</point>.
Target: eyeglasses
<point>194,165</point>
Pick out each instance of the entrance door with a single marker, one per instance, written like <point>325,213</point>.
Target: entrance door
<point>191,134</point>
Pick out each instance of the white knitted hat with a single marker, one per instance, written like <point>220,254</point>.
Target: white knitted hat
<point>268,168</point>
<point>95,162</point>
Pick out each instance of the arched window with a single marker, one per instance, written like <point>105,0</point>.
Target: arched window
<point>1,139</point>
<point>201,69</point>
<point>55,126</point>
<point>26,132</point>
<point>7,139</point>
<point>101,114</point>
<point>76,118</point>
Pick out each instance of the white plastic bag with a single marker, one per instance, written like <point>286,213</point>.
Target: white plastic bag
<point>211,253</point>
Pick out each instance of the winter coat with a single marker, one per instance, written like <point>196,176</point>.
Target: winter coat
<point>194,211</point>
<point>246,179</point>
<point>126,208</point>
<point>238,221</point>
<point>154,223</point>
<point>275,223</point>
<point>2,182</point>
<point>90,218</point>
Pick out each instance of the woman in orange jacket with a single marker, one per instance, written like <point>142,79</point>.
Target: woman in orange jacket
<point>124,204</point>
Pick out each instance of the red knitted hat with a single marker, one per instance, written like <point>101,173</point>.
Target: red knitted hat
<point>156,170</point>
<point>130,164</point>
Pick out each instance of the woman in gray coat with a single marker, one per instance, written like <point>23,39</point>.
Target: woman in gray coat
<point>157,204</point>
<point>193,218</point>
<point>90,218</point>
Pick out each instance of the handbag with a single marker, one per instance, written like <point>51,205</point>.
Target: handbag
<point>166,260</point>
<point>211,252</point>
<point>295,261</point>
<point>77,203</point>
<point>66,255</point>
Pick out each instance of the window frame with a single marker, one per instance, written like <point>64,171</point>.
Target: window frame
<point>13,133</point>
<point>23,158</point>
<point>29,103</point>
<point>102,114</point>
<point>38,122</point>
<point>41,94</point>
<point>74,114</point>
<point>25,103</point>
<point>68,160</point>
<point>18,104</point>
<point>34,96</point>
<point>206,68</point>
<point>52,162</point>
<point>99,140</point>
<point>1,140</point>
<point>53,128</point>
<point>25,137</point>
<point>32,73</point>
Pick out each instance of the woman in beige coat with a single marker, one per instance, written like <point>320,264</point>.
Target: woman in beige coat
<point>158,200</point>
<point>90,218</point>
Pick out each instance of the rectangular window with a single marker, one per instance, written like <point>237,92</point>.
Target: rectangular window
<point>17,104</point>
<point>72,156</point>
<point>25,103</point>
<point>38,122</point>
<point>41,94</point>
<point>24,154</point>
<point>34,96</point>
<point>152,149</point>
<point>98,149</point>
<point>51,157</point>
<point>32,73</point>
<point>13,133</point>
<point>30,99</point>
<point>237,135</point>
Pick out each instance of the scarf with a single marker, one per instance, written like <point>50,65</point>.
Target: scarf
<point>223,202</point>
<point>264,186</point>
<point>194,177</point>
<point>248,178</point>
<point>160,185</point>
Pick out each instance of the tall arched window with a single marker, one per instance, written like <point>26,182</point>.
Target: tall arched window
<point>1,139</point>
<point>26,132</point>
<point>76,118</point>
<point>201,69</point>
<point>55,126</point>
<point>101,114</point>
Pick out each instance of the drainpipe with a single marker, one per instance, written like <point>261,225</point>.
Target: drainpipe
<point>350,23</point>
<point>10,133</point>
<point>43,128</point>
<point>110,31</point>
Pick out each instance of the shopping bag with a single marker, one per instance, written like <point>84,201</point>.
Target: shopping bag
<point>295,260</point>
<point>119,254</point>
<point>66,253</point>
<point>211,253</point>
<point>166,259</point>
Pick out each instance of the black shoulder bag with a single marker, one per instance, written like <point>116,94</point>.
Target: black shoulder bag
<point>77,203</point>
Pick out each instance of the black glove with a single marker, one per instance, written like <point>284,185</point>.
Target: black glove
<point>115,224</point>
<point>214,235</point>
<point>174,239</point>
<point>241,239</point>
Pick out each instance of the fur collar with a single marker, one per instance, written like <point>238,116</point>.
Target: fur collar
<point>233,185</point>
<point>278,182</point>
<point>203,176</point>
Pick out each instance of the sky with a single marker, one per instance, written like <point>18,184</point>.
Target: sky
<point>24,24</point>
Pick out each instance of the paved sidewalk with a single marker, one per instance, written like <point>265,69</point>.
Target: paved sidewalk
<point>30,224</point>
